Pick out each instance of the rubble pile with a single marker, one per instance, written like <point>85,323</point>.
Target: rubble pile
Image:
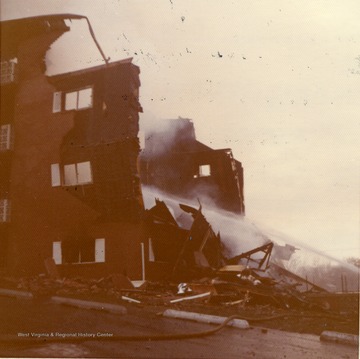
<point>268,304</point>
<point>194,254</point>
<point>188,263</point>
<point>199,275</point>
<point>42,285</point>
<point>232,286</point>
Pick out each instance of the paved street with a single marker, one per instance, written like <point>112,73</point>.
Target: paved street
<point>42,317</point>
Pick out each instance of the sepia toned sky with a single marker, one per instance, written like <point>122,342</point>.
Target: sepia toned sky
<point>277,81</point>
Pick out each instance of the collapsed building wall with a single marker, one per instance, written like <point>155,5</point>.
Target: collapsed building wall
<point>69,180</point>
<point>70,186</point>
<point>195,257</point>
<point>175,162</point>
<point>177,253</point>
<point>106,136</point>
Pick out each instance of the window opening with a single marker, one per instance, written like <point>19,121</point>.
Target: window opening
<point>84,172</point>
<point>5,209</point>
<point>57,102</point>
<point>70,175</point>
<point>84,98</point>
<point>57,253</point>
<point>77,174</point>
<point>204,171</point>
<point>5,137</point>
<point>100,250</point>
<point>151,251</point>
<point>8,71</point>
<point>78,100</point>
<point>83,250</point>
<point>73,100</point>
<point>55,175</point>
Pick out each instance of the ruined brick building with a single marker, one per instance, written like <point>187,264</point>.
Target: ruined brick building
<point>69,177</point>
<point>69,185</point>
<point>174,161</point>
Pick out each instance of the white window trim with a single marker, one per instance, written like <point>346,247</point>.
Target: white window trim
<point>77,182</point>
<point>99,249</point>
<point>71,174</point>
<point>55,175</point>
<point>5,137</point>
<point>59,100</point>
<point>8,71</point>
<point>84,176</point>
<point>5,210</point>
<point>151,251</point>
<point>57,252</point>
<point>205,170</point>
<point>70,177</point>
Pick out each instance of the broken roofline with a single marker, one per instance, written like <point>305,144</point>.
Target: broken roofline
<point>227,150</point>
<point>80,72</point>
<point>62,17</point>
<point>47,17</point>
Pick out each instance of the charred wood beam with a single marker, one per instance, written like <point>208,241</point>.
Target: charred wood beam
<point>201,243</point>
<point>188,209</point>
<point>195,213</point>
<point>266,249</point>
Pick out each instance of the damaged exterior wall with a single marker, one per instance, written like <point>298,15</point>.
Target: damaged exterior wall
<point>165,242</point>
<point>175,162</point>
<point>180,254</point>
<point>106,136</point>
<point>70,187</point>
<point>69,183</point>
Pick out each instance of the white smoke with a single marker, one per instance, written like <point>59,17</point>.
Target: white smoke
<point>240,234</point>
<point>237,233</point>
<point>307,255</point>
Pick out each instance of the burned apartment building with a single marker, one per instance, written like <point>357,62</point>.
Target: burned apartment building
<point>69,183</point>
<point>175,162</point>
<point>70,174</point>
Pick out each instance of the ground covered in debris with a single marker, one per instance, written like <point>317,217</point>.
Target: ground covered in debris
<point>196,297</point>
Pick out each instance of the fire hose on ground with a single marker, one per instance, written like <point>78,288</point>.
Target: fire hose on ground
<point>8,340</point>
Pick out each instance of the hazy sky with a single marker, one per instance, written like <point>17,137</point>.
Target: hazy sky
<point>278,81</point>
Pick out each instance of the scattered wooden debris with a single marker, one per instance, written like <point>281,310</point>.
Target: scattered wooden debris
<point>192,297</point>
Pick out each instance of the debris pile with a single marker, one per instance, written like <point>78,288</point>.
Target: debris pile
<point>42,285</point>
<point>188,268</point>
<point>187,263</point>
<point>191,251</point>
